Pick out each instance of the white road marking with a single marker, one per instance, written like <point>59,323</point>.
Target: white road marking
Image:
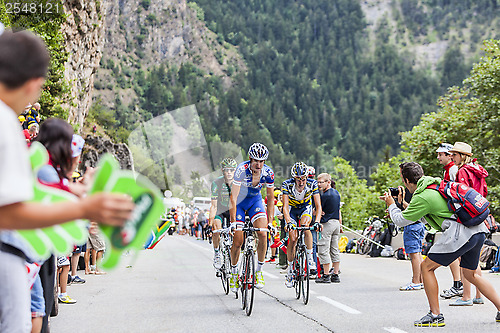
<point>312,292</point>
<point>195,245</point>
<point>272,276</point>
<point>341,306</point>
<point>394,330</point>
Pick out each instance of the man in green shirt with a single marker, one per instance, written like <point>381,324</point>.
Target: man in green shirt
<point>456,240</point>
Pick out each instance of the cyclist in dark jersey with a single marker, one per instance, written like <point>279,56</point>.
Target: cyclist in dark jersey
<point>219,209</point>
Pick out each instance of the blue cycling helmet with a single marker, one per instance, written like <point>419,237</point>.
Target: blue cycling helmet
<point>258,152</point>
<point>299,169</point>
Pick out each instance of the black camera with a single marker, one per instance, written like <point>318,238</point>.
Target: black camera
<point>394,191</point>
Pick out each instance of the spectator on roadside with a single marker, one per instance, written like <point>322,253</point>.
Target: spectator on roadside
<point>331,221</point>
<point>24,61</point>
<point>63,267</point>
<point>456,241</point>
<point>413,236</point>
<point>445,158</point>
<point>95,250</point>
<point>473,175</point>
<point>450,173</point>
<point>33,131</point>
<point>36,111</point>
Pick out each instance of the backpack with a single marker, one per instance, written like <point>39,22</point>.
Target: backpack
<point>469,207</point>
<point>488,255</point>
<point>351,246</point>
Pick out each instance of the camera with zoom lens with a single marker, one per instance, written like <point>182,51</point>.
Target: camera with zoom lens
<point>394,191</point>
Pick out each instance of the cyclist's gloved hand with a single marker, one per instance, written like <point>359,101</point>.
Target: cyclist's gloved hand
<point>272,229</point>
<point>317,226</point>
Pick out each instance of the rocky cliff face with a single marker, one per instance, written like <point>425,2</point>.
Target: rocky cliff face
<point>84,32</point>
<point>141,34</point>
<point>95,146</point>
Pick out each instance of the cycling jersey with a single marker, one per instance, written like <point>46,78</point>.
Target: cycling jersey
<point>221,192</point>
<point>249,200</point>
<point>298,199</point>
<point>243,178</point>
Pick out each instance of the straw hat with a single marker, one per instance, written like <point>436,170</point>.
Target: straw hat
<point>462,148</point>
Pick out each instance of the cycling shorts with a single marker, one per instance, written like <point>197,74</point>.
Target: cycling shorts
<point>224,218</point>
<point>296,214</point>
<point>251,206</point>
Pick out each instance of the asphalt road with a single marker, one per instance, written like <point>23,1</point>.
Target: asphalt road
<point>173,288</point>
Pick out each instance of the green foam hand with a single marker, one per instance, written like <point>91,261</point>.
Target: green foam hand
<point>59,239</point>
<point>148,208</point>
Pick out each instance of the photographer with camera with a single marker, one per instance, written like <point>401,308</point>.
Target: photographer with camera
<point>456,241</point>
<point>413,236</point>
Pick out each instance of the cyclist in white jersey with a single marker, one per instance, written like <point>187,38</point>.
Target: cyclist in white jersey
<point>249,178</point>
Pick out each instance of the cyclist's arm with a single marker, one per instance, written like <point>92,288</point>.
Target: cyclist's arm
<point>235,191</point>
<point>286,209</point>
<point>317,204</point>
<point>211,215</point>
<point>270,205</point>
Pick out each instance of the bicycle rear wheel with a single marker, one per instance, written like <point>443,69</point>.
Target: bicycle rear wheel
<point>304,276</point>
<point>250,282</point>
<point>297,282</point>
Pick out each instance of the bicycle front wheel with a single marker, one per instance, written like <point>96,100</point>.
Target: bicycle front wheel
<point>297,279</point>
<point>250,268</point>
<point>304,276</point>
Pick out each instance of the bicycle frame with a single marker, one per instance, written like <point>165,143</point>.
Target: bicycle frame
<point>247,267</point>
<point>301,265</point>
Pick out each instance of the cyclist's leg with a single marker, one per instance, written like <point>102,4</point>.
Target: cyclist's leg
<point>292,236</point>
<point>258,217</point>
<point>216,236</point>
<point>305,221</point>
<point>238,234</point>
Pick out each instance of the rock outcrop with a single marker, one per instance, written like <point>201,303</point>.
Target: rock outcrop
<point>95,146</point>
<point>84,33</point>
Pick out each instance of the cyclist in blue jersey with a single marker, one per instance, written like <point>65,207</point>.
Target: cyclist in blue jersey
<point>298,193</point>
<point>249,178</point>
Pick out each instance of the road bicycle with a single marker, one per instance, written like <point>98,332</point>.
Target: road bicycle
<point>247,264</point>
<point>226,241</point>
<point>300,268</point>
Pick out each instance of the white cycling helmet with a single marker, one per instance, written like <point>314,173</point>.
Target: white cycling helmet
<point>258,151</point>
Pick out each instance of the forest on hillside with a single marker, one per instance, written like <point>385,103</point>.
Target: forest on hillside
<point>312,86</point>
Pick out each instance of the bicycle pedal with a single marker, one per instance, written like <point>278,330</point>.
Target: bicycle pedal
<point>218,274</point>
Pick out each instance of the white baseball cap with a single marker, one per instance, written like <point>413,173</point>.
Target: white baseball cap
<point>444,148</point>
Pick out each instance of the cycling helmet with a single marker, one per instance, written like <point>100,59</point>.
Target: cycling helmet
<point>276,193</point>
<point>258,151</point>
<point>299,169</point>
<point>228,163</point>
<point>311,171</point>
